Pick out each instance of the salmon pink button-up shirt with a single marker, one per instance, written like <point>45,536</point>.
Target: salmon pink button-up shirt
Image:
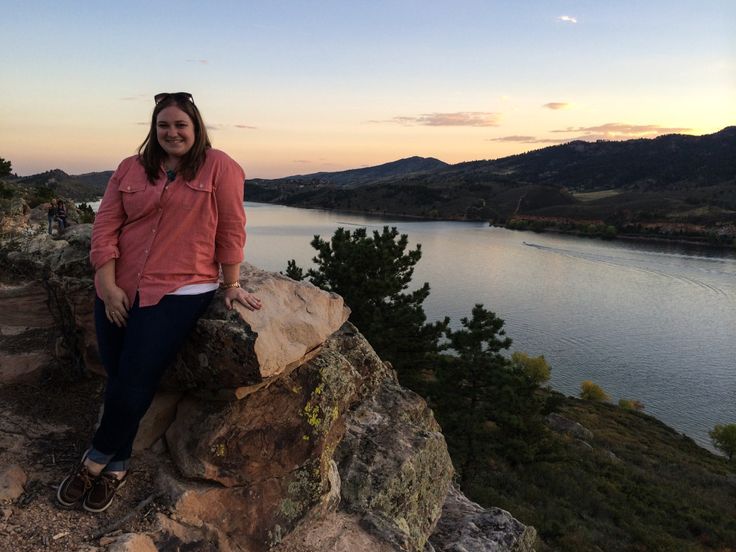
<point>170,234</point>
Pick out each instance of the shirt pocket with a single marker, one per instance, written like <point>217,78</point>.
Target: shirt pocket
<point>197,194</point>
<point>133,194</point>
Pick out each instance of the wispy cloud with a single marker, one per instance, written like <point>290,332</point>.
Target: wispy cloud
<point>223,126</point>
<point>567,19</point>
<point>301,161</point>
<point>210,126</point>
<point>200,61</point>
<point>613,131</point>
<point>557,105</point>
<point>526,140</point>
<point>135,98</point>
<point>460,118</point>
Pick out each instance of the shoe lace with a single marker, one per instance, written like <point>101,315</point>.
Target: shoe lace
<point>86,477</point>
<point>110,482</point>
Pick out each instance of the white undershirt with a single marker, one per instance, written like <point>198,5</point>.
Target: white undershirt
<point>195,289</point>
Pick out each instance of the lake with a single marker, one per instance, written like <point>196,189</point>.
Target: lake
<point>646,321</point>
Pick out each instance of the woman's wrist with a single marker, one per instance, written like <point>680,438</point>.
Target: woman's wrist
<point>229,285</point>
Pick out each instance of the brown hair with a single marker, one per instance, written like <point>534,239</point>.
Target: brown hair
<point>151,154</point>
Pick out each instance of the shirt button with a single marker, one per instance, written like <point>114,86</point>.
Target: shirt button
<point>201,185</point>
<point>139,274</point>
<point>128,188</point>
<point>154,230</point>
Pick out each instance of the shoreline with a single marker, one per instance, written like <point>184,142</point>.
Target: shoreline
<point>418,218</point>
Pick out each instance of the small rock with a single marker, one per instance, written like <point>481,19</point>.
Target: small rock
<point>583,444</point>
<point>110,538</point>
<point>133,542</point>
<point>560,424</point>
<point>612,456</point>
<point>170,529</point>
<point>12,480</point>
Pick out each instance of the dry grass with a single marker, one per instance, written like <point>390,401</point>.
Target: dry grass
<point>592,196</point>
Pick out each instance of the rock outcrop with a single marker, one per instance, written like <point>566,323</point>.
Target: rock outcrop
<point>283,429</point>
<point>467,527</point>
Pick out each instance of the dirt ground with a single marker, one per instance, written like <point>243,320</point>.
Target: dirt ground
<point>51,423</point>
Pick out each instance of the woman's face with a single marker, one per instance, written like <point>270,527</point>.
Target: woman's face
<point>175,131</point>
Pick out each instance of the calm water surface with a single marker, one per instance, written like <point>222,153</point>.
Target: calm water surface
<point>647,322</point>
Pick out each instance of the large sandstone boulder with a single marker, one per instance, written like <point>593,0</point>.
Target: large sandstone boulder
<point>240,348</point>
<point>338,424</point>
<point>289,434</point>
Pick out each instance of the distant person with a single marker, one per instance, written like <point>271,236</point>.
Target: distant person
<point>61,215</point>
<point>170,222</point>
<point>51,214</point>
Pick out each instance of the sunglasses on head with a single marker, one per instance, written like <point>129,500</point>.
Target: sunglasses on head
<point>181,96</point>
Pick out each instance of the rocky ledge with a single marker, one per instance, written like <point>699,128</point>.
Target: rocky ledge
<point>277,430</point>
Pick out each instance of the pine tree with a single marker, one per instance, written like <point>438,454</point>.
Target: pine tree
<point>485,403</point>
<point>372,273</point>
<point>5,167</point>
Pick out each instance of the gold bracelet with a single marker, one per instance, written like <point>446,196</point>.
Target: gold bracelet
<point>224,285</point>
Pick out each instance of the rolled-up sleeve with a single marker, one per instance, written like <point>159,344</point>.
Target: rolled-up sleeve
<point>108,222</point>
<point>230,234</point>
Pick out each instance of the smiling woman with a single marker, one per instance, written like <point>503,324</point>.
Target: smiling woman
<point>170,222</point>
<point>177,137</point>
<point>175,133</point>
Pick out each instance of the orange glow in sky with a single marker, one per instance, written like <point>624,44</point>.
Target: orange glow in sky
<point>289,88</point>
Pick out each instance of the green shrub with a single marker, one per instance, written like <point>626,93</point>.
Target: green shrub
<point>590,391</point>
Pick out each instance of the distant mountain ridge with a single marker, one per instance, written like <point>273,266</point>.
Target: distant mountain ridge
<point>672,179</point>
<point>672,161</point>
<point>365,175</point>
<point>669,161</point>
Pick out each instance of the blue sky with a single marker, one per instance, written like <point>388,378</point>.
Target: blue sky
<point>293,87</point>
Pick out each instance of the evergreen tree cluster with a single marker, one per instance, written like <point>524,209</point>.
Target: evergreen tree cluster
<point>579,496</point>
<point>484,401</point>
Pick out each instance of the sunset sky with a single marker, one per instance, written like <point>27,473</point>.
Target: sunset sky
<point>299,86</point>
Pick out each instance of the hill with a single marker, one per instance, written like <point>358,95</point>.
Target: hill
<point>616,480</point>
<point>366,175</point>
<point>671,162</point>
<point>673,185</point>
<point>80,187</point>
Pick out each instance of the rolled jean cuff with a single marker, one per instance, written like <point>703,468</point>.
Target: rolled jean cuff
<point>107,460</point>
<point>117,466</point>
<point>99,457</point>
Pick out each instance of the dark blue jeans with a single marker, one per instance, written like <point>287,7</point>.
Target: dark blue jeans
<point>135,358</point>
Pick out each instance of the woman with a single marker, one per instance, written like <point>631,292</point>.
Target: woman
<point>170,221</point>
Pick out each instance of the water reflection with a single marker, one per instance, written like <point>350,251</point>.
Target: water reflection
<point>646,321</point>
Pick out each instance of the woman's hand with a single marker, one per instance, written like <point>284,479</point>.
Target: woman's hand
<point>248,300</point>
<point>116,305</point>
